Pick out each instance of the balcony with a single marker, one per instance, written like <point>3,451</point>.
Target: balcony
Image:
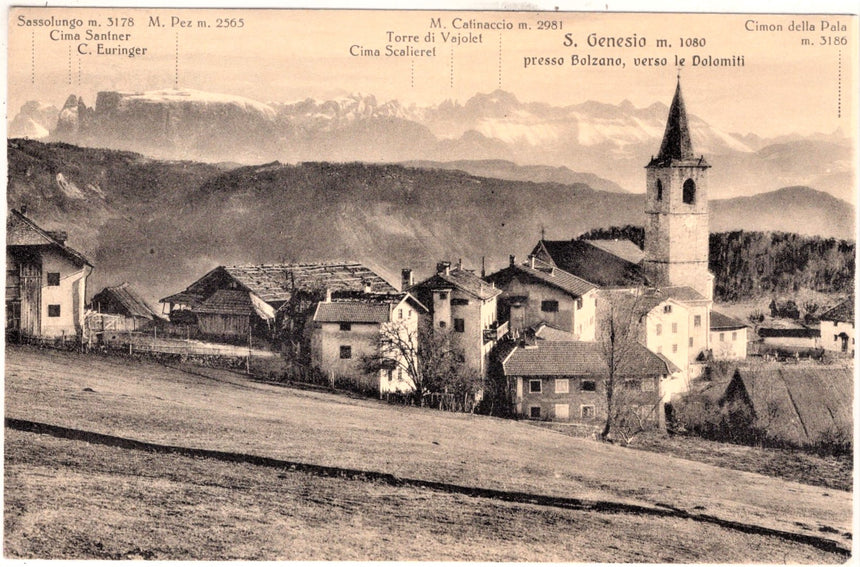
<point>495,332</point>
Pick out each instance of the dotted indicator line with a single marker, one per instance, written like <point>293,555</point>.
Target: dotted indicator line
<point>452,67</point>
<point>412,74</point>
<point>500,59</point>
<point>839,85</point>
<point>33,58</point>
<point>176,69</point>
<point>70,64</point>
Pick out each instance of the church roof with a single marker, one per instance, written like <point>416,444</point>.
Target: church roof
<point>592,263</point>
<point>676,146</point>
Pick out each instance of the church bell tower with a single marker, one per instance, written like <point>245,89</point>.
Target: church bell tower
<point>676,209</point>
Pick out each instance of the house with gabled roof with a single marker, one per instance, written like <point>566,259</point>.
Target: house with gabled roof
<point>462,303</point>
<point>346,332</point>
<point>729,337</point>
<point>837,328</point>
<point>46,281</point>
<point>535,292</point>
<point>565,381</point>
<point>128,311</point>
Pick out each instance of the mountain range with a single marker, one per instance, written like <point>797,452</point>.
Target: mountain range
<point>161,224</point>
<point>613,142</point>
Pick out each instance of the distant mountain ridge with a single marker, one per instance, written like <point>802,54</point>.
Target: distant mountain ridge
<point>160,224</point>
<point>611,141</point>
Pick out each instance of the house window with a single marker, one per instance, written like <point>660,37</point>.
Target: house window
<point>460,325</point>
<point>442,324</point>
<point>667,309</point>
<point>722,337</point>
<point>534,386</point>
<point>659,190</point>
<point>345,351</point>
<point>346,326</point>
<point>674,348</point>
<point>587,412</point>
<point>534,412</point>
<point>459,301</point>
<point>588,386</point>
<point>53,278</point>
<point>697,321</point>
<point>632,384</point>
<point>400,375</point>
<point>549,306</point>
<point>648,385</point>
<point>691,341</point>
<point>734,335</point>
<point>658,330</point>
<point>443,295</point>
<point>400,313</point>
<point>562,385</point>
<point>562,411</point>
<point>53,310</point>
<point>674,328</point>
<point>390,374</point>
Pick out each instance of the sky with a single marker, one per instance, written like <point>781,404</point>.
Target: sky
<point>784,85</point>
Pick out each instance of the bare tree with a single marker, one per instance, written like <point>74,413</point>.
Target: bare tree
<point>618,333</point>
<point>429,357</point>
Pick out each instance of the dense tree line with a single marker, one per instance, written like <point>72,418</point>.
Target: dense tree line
<point>751,264</point>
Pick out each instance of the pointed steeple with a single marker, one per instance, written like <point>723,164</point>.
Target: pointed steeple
<point>676,139</point>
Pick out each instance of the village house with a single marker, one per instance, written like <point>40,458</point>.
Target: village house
<point>46,282</point>
<point>837,328</point>
<point>125,309</point>
<point>348,331</point>
<point>465,305</point>
<point>728,337</point>
<point>565,381</point>
<point>536,292</point>
<point>229,301</point>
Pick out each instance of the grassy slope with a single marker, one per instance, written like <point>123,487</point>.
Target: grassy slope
<point>148,402</point>
<point>72,500</point>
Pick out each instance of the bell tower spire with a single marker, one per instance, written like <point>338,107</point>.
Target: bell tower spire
<point>676,208</point>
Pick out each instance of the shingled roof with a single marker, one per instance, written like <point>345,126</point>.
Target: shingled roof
<point>797,403</point>
<point>579,358</point>
<point>227,302</point>
<point>21,231</point>
<point>123,300</point>
<point>591,263</point>
<point>843,312</point>
<point>275,283</point>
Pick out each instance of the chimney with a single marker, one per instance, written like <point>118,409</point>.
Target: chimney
<point>483,267</point>
<point>58,235</point>
<point>23,210</point>
<point>328,295</point>
<point>532,261</point>
<point>513,260</point>
<point>368,287</point>
<point>443,268</point>
<point>460,264</point>
<point>406,279</point>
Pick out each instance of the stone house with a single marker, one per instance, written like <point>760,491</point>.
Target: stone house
<point>565,381</point>
<point>536,292</point>
<point>461,302</point>
<point>346,331</point>
<point>46,282</point>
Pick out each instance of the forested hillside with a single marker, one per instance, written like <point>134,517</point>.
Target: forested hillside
<point>752,263</point>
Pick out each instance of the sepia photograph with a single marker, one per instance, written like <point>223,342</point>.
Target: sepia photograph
<point>490,285</point>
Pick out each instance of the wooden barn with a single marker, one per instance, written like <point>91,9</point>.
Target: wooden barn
<point>227,299</point>
<point>131,311</point>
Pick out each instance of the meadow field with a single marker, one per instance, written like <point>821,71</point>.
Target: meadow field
<point>109,458</point>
